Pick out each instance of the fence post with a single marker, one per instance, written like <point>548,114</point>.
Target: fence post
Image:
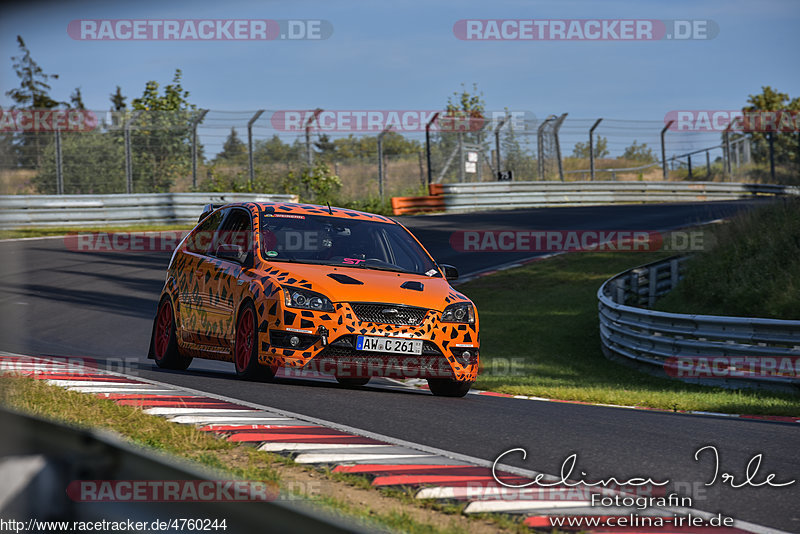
<point>128,158</point>
<point>664,169</point>
<point>195,122</point>
<point>309,152</point>
<point>591,148</point>
<point>540,145</point>
<point>689,158</point>
<point>726,136</point>
<point>428,145</point>
<point>708,164</point>
<point>772,155</point>
<point>497,158</point>
<point>556,127</point>
<point>460,157</point>
<point>250,123</point>
<point>380,161</point>
<point>59,166</point>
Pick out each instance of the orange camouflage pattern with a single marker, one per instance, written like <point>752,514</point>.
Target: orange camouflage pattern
<point>207,293</point>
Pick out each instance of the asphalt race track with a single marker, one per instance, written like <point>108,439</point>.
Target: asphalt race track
<point>55,301</point>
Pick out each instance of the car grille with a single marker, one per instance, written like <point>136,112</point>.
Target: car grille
<point>389,313</point>
<point>341,357</point>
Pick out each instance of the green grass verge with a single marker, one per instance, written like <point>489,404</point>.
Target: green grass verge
<point>64,230</point>
<point>347,496</point>
<point>540,337</point>
<point>752,269</point>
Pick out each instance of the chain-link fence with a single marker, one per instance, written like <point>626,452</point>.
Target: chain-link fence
<point>366,154</point>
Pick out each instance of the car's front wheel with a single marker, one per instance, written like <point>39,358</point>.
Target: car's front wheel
<point>165,340</point>
<point>245,350</point>
<point>446,387</point>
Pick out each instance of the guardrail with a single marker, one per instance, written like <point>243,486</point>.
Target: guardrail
<point>509,195</point>
<point>39,459</point>
<point>664,339</point>
<point>94,210</point>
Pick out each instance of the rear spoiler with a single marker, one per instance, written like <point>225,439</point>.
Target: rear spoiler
<point>208,209</point>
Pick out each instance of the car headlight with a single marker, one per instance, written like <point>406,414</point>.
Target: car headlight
<point>306,300</point>
<point>460,312</point>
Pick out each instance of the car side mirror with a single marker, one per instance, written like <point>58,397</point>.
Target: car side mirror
<point>229,252</point>
<point>450,272</point>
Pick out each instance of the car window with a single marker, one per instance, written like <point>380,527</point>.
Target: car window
<point>201,238</point>
<point>343,242</point>
<point>236,230</point>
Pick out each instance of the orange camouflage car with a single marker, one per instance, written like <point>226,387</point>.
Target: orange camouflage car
<point>341,292</point>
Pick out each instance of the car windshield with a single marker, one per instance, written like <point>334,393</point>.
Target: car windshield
<point>343,242</point>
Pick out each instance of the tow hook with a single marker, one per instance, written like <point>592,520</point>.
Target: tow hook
<point>323,333</point>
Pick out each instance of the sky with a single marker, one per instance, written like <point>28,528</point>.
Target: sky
<point>404,55</point>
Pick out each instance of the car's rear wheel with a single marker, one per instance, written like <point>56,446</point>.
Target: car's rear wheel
<point>446,387</point>
<point>352,381</point>
<point>245,350</point>
<point>165,339</point>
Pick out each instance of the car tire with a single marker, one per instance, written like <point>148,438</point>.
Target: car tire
<point>354,381</point>
<point>245,348</point>
<point>165,339</point>
<point>446,387</point>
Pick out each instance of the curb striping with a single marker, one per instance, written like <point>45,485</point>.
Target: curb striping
<point>437,475</point>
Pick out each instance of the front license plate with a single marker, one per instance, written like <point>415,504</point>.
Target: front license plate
<point>389,344</point>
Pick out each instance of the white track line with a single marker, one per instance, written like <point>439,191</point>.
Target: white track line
<point>289,447</point>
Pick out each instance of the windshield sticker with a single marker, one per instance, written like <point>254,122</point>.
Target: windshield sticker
<point>272,253</point>
<point>431,272</point>
<point>352,261</point>
<point>287,216</point>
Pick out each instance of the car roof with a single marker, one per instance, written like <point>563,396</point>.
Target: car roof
<point>292,208</point>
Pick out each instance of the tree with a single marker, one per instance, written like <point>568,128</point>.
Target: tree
<point>641,153</point>
<point>233,149</point>
<point>76,99</point>
<point>117,100</point>
<point>33,93</point>
<point>462,122</point>
<point>785,143</point>
<point>273,150</point>
<point>581,150</point>
<point>162,135</point>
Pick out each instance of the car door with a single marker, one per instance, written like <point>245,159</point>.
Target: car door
<point>196,270</point>
<point>223,287</point>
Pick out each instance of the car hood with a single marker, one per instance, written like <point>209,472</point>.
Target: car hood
<point>378,286</point>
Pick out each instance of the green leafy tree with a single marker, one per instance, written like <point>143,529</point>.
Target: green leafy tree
<point>316,184</point>
<point>639,153</point>
<point>118,100</point>
<point>76,99</point>
<point>274,150</point>
<point>92,163</point>
<point>33,93</point>
<point>581,150</point>
<point>462,122</point>
<point>233,150</point>
<point>161,136</point>
<point>785,143</point>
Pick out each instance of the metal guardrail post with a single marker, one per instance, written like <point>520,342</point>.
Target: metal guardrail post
<point>652,280</point>
<point>195,122</point>
<point>59,165</point>
<point>128,156</point>
<point>250,123</point>
<point>556,127</point>
<point>664,169</point>
<point>428,145</point>
<point>591,148</point>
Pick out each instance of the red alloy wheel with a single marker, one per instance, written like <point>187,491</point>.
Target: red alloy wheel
<point>244,340</point>
<point>163,330</point>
